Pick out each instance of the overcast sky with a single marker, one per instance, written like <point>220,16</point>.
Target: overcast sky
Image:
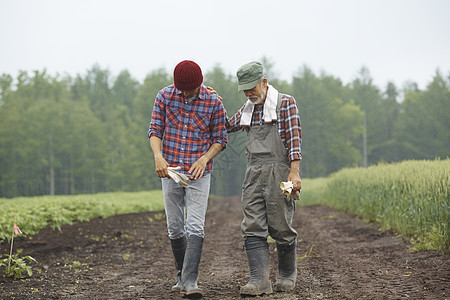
<point>398,40</point>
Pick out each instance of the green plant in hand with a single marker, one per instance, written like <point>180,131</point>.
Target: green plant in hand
<point>15,266</point>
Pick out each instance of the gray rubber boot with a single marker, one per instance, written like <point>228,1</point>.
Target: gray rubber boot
<point>189,272</point>
<point>259,264</point>
<point>178,249</point>
<point>287,267</point>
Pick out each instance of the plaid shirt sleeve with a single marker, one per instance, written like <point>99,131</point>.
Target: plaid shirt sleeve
<point>234,123</point>
<point>218,125</point>
<point>290,128</point>
<point>156,127</point>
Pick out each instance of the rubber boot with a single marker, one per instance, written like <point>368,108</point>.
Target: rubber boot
<point>190,268</point>
<point>259,264</point>
<point>287,267</point>
<point>178,249</point>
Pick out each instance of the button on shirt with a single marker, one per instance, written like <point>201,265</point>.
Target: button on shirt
<point>288,122</point>
<point>188,127</point>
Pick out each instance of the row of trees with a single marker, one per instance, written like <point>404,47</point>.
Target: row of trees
<point>88,133</point>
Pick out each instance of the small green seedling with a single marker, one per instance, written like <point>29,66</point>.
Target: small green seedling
<point>14,264</point>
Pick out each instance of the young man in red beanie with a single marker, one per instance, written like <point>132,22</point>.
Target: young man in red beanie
<point>186,131</point>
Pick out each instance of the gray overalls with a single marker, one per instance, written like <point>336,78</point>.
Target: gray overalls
<point>266,210</point>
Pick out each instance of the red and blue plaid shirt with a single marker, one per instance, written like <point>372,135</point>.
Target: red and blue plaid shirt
<point>288,123</point>
<point>188,128</point>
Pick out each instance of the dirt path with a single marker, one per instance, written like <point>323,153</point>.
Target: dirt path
<point>129,257</point>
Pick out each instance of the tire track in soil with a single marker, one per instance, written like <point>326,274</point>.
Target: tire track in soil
<point>129,257</point>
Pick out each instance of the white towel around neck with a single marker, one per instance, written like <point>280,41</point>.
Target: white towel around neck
<point>270,108</point>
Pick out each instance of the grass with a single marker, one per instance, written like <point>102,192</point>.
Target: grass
<point>313,191</point>
<point>411,198</point>
<point>34,213</point>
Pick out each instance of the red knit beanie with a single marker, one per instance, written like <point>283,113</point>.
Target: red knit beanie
<point>187,76</point>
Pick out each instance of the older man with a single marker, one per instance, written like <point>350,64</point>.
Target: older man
<point>272,123</point>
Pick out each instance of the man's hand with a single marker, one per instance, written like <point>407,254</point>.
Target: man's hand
<point>214,92</point>
<point>161,167</point>
<point>296,181</point>
<point>294,175</point>
<point>198,168</point>
<point>160,163</point>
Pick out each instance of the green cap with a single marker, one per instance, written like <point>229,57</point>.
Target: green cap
<point>248,75</point>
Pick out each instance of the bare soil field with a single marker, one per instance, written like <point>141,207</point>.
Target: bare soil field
<point>129,257</point>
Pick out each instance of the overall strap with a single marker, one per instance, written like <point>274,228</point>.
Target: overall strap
<point>280,96</point>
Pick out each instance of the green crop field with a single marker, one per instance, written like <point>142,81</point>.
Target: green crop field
<point>34,213</point>
<point>411,198</point>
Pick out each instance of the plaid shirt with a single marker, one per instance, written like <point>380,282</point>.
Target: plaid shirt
<point>288,123</point>
<point>188,128</point>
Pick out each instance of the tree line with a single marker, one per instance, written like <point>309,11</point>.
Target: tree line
<point>88,133</point>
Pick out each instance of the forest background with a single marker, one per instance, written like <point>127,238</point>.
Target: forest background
<point>63,135</point>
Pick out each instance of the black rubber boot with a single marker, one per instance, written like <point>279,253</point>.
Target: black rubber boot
<point>178,249</point>
<point>190,268</point>
<point>287,267</point>
<point>258,261</point>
